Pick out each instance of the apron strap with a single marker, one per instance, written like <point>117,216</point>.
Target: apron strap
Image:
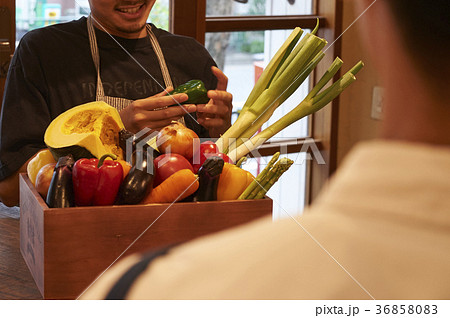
<point>100,93</point>
<point>121,288</point>
<point>160,56</point>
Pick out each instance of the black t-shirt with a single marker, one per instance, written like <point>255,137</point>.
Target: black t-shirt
<point>52,71</point>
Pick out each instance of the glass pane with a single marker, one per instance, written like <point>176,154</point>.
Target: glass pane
<point>242,56</point>
<point>288,193</point>
<point>159,15</point>
<point>257,7</point>
<point>39,13</point>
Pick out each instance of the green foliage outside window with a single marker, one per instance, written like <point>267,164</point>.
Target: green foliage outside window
<point>251,42</point>
<point>159,15</point>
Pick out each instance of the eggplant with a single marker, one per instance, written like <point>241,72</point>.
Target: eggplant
<point>139,181</point>
<point>208,179</point>
<point>60,193</point>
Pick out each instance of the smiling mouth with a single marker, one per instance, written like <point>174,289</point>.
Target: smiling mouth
<point>130,10</point>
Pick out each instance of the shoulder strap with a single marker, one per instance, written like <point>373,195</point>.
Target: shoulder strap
<point>95,57</point>
<point>160,56</point>
<point>120,290</point>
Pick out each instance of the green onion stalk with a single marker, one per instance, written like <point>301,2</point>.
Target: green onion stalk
<point>271,69</point>
<point>263,118</point>
<point>288,69</point>
<point>268,94</point>
<point>313,102</point>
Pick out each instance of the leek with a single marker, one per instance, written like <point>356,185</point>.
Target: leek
<point>288,69</point>
<point>274,64</point>
<point>256,125</point>
<point>309,105</point>
<point>270,98</point>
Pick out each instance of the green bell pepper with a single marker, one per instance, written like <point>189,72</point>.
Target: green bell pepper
<point>196,91</point>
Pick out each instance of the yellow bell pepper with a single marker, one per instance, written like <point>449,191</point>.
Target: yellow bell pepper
<point>233,181</point>
<point>42,158</point>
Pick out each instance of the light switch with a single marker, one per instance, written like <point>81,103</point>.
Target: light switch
<point>377,103</point>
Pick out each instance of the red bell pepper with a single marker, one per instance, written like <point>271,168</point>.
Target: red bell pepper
<point>96,182</point>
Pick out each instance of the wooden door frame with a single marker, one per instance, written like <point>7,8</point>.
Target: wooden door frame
<point>187,17</point>
<point>324,123</point>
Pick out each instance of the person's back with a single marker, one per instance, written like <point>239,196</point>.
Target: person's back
<point>380,230</point>
<point>368,236</point>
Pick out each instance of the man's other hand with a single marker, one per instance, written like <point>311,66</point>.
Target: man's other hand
<point>216,114</point>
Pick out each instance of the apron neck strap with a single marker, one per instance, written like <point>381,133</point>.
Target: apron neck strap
<point>95,57</point>
<point>160,56</point>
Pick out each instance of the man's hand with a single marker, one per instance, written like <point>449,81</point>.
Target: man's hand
<point>152,112</point>
<point>216,115</point>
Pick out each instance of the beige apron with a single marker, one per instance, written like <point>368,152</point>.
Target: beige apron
<point>117,102</point>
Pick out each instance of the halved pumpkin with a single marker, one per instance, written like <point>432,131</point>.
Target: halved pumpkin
<point>85,131</point>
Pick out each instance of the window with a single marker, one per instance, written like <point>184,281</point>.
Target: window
<point>32,14</point>
<point>258,7</point>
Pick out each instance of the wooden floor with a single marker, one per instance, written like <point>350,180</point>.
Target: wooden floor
<point>16,281</point>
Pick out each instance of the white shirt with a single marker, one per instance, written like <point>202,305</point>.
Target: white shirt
<point>380,230</point>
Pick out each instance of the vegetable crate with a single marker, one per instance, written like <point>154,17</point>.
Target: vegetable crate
<point>66,249</point>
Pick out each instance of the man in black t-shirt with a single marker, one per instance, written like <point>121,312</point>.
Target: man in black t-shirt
<point>53,70</point>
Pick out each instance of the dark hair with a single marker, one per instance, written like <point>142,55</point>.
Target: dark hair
<point>425,27</point>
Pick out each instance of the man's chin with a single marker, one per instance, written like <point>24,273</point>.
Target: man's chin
<point>131,29</point>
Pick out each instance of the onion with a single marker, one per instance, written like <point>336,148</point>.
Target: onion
<point>176,138</point>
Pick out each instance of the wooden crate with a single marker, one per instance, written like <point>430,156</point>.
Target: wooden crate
<point>66,249</point>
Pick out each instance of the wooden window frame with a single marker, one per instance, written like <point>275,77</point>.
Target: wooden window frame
<point>188,17</point>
